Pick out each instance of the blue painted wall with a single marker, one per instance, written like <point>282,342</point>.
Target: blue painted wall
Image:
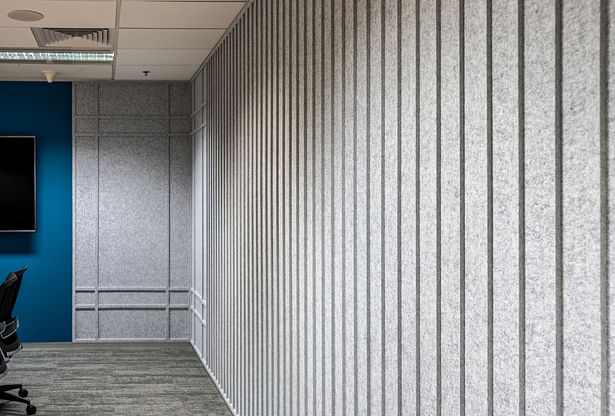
<point>44,305</point>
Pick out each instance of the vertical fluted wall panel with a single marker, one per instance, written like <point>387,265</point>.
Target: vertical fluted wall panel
<point>607,164</point>
<point>409,341</point>
<point>476,207</point>
<point>426,205</point>
<point>505,162</point>
<point>450,185</point>
<point>539,164</point>
<point>580,263</point>
<point>402,207</point>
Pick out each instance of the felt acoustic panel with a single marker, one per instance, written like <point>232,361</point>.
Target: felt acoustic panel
<point>132,176</point>
<point>402,207</point>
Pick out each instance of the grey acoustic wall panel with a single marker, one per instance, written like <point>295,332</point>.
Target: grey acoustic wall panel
<point>451,163</point>
<point>607,182</point>
<point>408,156</point>
<point>85,214</point>
<point>180,177</point>
<point>580,209</point>
<point>426,206</point>
<point>402,207</point>
<point>133,170</point>
<point>136,98</point>
<point>477,211</point>
<point>132,209</point>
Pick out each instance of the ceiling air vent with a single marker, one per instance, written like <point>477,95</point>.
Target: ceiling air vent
<point>69,37</point>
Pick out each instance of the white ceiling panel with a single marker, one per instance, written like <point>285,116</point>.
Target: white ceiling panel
<point>17,37</point>
<point>161,56</point>
<point>178,1</point>
<point>171,73</point>
<point>169,38</point>
<point>178,14</point>
<point>61,13</point>
<point>32,72</point>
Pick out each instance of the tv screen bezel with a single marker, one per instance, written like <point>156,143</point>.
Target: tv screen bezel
<point>34,184</point>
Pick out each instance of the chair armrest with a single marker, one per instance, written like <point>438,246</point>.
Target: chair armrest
<point>8,329</point>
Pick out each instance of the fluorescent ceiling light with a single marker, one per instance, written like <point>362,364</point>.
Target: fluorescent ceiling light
<point>57,56</point>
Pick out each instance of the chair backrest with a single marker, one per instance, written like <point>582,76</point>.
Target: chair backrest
<point>7,291</point>
<point>8,294</point>
<point>13,299</point>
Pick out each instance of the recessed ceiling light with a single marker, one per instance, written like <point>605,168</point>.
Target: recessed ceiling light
<point>56,56</point>
<point>25,15</point>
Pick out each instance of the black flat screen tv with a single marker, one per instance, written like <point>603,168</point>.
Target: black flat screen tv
<point>17,184</point>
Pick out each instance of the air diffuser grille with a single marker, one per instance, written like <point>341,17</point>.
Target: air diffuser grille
<point>56,36</point>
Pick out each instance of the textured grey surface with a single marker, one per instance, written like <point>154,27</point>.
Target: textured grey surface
<point>374,212</point>
<point>179,298</point>
<point>180,195</point>
<point>179,321</point>
<point>179,125</point>
<point>348,218</point>
<point>85,219</point>
<point>134,297</point>
<point>610,229</point>
<point>476,210</point>
<point>198,220</point>
<point>539,160</point>
<point>86,125</point>
<point>179,101</point>
<point>391,283</point>
<point>197,119</point>
<point>329,275</point>
<point>338,284</point>
<point>310,272</point>
<point>360,207</point>
<point>505,211</point>
<point>132,324</point>
<point>197,90</point>
<point>408,301</point>
<point>132,176</point>
<point>301,230</point>
<point>451,211</point>
<point>362,135</point>
<point>134,98</point>
<point>127,125</point>
<point>426,196</point>
<point>133,211</point>
<point>581,208</point>
<point>86,99</point>
<point>86,324</point>
<point>85,298</point>
<point>113,379</point>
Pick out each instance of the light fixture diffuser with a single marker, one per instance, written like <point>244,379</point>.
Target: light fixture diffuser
<point>35,56</point>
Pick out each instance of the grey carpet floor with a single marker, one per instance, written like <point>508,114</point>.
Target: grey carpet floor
<point>113,379</point>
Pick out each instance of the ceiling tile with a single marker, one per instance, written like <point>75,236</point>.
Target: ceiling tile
<point>171,73</point>
<point>161,56</point>
<point>178,14</point>
<point>169,38</point>
<point>202,1</point>
<point>61,13</point>
<point>17,37</point>
<point>32,72</point>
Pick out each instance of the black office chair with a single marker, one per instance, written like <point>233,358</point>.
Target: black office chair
<point>9,341</point>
